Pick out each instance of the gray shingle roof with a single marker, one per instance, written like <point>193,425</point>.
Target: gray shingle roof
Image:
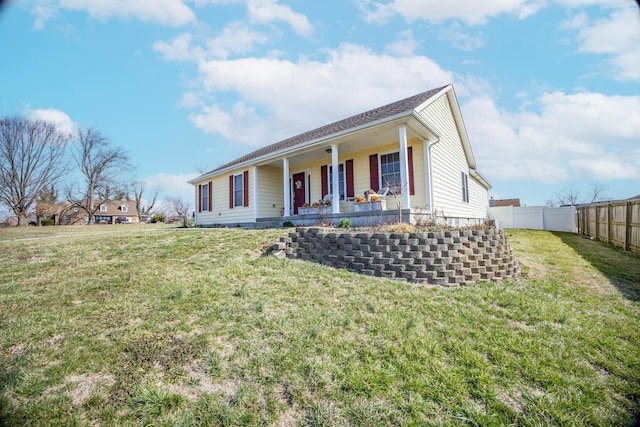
<point>401,106</point>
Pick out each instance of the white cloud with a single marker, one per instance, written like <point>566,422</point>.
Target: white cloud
<point>267,11</point>
<point>171,185</point>
<point>296,96</point>
<point>406,45</point>
<point>572,136</point>
<point>436,11</point>
<point>617,36</point>
<point>43,13</point>
<point>166,12</point>
<point>460,39</point>
<point>59,118</point>
<point>237,38</point>
<point>178,49</point>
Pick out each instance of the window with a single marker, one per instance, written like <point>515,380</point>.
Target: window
<point>238,190</point>
<point>100,219</point>
<point>103,208</point>
<point>204,197</point>
<point>341,181</point>
<point>124,208</point>
<point>390,172</point>
<point>465,187</point>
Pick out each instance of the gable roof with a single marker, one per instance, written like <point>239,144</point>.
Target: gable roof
<point>403,106</point>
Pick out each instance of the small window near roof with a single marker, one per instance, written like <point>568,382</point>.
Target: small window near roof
<point>103,208</point>
<point>124,208</point>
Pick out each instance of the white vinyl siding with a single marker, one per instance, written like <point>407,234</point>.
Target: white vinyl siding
<point>220,212</point>
<point>270,192</point>
<point>448,160</point>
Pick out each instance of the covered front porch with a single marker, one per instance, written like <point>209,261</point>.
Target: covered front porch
<point>324,182</point>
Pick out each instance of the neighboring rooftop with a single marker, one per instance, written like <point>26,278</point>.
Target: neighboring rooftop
<point>504,202</point>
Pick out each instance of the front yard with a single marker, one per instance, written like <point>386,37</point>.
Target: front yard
<point>140,325</point>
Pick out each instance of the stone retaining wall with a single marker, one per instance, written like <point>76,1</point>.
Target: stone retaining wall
<point>446,258</point>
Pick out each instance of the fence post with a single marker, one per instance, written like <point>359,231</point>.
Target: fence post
<point>597,222</point>
<point>627,221</point>
<point>609,223</point>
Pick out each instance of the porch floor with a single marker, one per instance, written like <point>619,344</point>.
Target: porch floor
<point>358,219</point>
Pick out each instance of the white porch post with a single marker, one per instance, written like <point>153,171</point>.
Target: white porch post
<point>335,179</point>
<point>256,193</point>
<point>287,188</point>
<point>404,168</point>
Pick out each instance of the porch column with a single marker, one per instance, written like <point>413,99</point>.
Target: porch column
<point>428,176</point>
<point>256,193</point>
<point>404,168</point>
<point>335,179</point>
<point>287,188</point>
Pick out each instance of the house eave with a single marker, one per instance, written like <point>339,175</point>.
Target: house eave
<point>474,173</point>
<point>399,119</point>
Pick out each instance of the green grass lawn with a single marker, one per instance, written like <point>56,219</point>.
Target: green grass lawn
<point>145,325</point>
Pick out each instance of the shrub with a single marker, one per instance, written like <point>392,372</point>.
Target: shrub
<point>344,223</point>
<point>46,222</point>
<point>156,217</point>
<point>287,224</point>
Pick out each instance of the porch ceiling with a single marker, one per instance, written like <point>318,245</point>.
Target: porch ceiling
<point>353,142</point>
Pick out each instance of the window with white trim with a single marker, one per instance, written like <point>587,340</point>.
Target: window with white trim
<point>238,190</point>
<point>103,208</point>
<point>465,187</point>
<point>124,208</point>
<point>390,172</point>
<point>204,197</point>
<point>342,183</point>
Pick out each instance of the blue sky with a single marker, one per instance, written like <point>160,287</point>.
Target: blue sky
<point>549,89</point>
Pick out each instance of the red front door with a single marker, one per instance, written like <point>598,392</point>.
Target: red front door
<point>299,191</point>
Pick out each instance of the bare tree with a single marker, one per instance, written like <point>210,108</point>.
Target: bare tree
<point>139,188</point>
<point>568,196</point>
<point>102,166</point>
<point>180,207</point>
<point>396,187</point>
<point>31,159</point>
<point>597,192</point>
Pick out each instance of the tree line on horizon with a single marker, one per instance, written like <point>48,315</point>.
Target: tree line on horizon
<point>37,158</point>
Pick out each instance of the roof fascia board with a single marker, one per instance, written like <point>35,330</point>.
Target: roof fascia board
<point>474,173</point>
<point>310,144</point>
<point>462,130</point>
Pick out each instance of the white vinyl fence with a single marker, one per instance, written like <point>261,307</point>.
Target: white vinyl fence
<point>535,218</point>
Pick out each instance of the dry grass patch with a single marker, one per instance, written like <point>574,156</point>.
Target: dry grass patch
<point>134,326</point>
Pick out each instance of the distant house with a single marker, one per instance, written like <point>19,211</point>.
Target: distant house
<point>10,221</point>
<point>504,202</point>
<point>414,152</point>
<point>107,212</point>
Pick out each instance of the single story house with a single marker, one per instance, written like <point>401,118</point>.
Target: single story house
<point>413,153</point>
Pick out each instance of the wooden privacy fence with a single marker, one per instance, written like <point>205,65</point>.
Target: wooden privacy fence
<point>617,223</point>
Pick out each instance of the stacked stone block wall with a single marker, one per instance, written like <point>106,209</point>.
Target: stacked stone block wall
<point>447,258</point>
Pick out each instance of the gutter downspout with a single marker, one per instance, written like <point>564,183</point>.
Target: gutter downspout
<point>430,144</point>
